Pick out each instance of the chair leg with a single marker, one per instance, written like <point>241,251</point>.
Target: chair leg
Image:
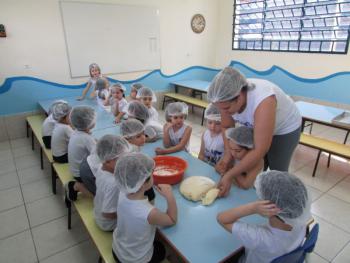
<point>311,126</point>
<point>318,158</point>
<point>346,136</point>
<point>69,210</point>
<point>53,180</point>
<point>41,159</point>
<point>329,160</point>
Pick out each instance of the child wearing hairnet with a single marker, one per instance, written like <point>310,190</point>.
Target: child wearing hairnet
<point>95,73</point>
<point>134,89</point>
<point>134,132</point>
<point>147,97</point>
<point>61,133</point>
<point>153,129</point>
<point>133,239</point>
<point>240,141</point>
<point>101,92</point>
<point>118,101</point>
<point>109,148</point>
<point>49,125</point>
<point>284,200</point>
<point>176,133</point>
<point>212,145</point>
<point>81,144</point>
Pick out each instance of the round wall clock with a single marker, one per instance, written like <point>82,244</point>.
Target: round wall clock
<point>198,23</point>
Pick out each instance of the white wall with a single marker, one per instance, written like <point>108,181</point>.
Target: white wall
<point>301,64</point>
<point>35,45</point>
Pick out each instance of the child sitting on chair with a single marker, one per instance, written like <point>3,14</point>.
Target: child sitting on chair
<point>134,237</point>
<point>147,97</point>
<point>212,145</point>
<point>176,133</point>
<point>134,89</point>
<point>61,133</point>
<point>81,144</point>
<point>109,148</point>
<point>134,132</point>
<point>284,200</point>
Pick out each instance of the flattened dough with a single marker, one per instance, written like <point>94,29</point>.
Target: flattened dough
<point>210,197</point>
<point>195,188</point>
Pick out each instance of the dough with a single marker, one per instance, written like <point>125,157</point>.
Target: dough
<point>210,197</point>
<point>194,188</point>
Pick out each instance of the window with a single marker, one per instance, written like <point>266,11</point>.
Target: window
<point>320,26</point>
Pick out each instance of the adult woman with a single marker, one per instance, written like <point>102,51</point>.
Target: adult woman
<point>263,106</point>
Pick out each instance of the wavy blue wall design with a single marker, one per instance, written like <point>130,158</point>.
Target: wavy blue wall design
<point>21,94</point>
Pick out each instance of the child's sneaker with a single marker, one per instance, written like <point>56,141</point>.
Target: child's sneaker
<point>71,194</point>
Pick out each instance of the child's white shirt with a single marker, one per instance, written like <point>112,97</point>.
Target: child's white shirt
<point>153,129</point>
<point>213,147</point>
<point>133,238</point>
<point>100,101</point>
<point>153,114</point>
<point>81,144</point>
<point>48,126</point>
<point>264,243</point>
<point>60,139</point>
<point>93,162</point>
<point>175,137</point>
<point>119,105</point>
<point>106,199</point>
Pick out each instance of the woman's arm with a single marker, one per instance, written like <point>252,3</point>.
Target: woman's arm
<point>201,151</point>
<point>247,181</point>
<point>85,91</point>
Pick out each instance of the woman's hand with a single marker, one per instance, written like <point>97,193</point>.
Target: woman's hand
<point>225,185</point>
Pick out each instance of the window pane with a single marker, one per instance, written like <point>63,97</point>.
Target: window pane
<point>293,45</point>
<point>339,46</point>
<point>315,46</point>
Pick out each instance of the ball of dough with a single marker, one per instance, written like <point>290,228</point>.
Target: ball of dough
<point>194,188</point>
<point>210,197</point>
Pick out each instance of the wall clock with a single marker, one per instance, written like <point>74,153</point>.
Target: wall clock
<point>198,23</point>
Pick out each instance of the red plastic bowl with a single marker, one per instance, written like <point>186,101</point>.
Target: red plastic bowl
<point>168,169</point>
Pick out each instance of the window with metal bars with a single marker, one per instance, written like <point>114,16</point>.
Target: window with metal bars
<point>318,26</point>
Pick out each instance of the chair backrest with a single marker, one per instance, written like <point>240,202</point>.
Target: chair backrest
<point>298,254</point>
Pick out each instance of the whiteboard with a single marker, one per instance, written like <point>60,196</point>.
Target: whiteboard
<point>119,38</point>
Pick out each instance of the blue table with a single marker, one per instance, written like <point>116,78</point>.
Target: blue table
<point>97,134</point>
<point>200,86</point>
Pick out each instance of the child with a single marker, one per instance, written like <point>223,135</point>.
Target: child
<point>95,73</point>
<point>153,129</point>
<point>240,142</point>
<point>133,239</point>
<point>285,201</point>
<point>49,125</point>
<point>134,89</point>
<point>108,149</point>
<point>147,97</point>
<point>134,132</point>
<point>88,170</point>
<point>101,92</point>
<point>61,133</point>
<point>176,133</point>
<point>118,101</point>
<point>81,144</point>
<point>212,146</point>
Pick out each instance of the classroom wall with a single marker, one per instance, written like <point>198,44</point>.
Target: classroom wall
<point>300,64</point>
<point>35,45</point>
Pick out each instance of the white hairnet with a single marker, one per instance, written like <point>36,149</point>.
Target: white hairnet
<point>212,113</point>
<point>146,92</point>
<point>227,85</point>
<point>132,170</point>
<point>175,109</point>
<point>83,117</point>
<point>100,86</point>
<point>136,86</point>
<point>110,147</point>
<point>118,86</point>
<point>94,65</point>
<point>131,128</point>
<point>137,110</point>
<point>243,136</point>
<point>60,110</point>
<point>53,105</point>
<point>287,192</point>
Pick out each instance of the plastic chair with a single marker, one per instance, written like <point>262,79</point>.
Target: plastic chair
<point>298,255</point>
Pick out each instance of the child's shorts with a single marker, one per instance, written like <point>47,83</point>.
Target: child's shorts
<point>47,141</point>
<point>87,176</point>
<point>150,194</point>
<point>61,159</point>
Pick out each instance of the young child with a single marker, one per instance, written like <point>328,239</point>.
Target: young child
<point>81,144</point>
<point>95,73</point>
<point>240,142</point>
<point>118,101</point>
<point>153,129</point>
<point>285,201</point>
<point>101,92</point>
<point>147,97</point>
<point>176,133</point>
<point>133,239</point>
<point>134,89</point>
<point>108,149</point>
<point>212,146</point>
<point>49,125</point>
<point>61,133</point>
<point>134,132</point>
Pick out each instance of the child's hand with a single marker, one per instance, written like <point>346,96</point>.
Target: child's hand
<point>165,190</point>
<point>80,98</point>
<point>117,120</point>
<point>266,208</point>
<point>160,151</point>
<point>221,167</point>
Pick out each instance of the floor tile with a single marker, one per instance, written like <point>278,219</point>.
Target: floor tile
<point>330,239</point>
<point>23,150</point>
<point>54,236</point>
<point>5,145</point>
<point>344,255</point>
<point>84,252</point>
<point>342,190</point>
<point>46,209</point>
<point>10,198</point>
<point>32,174</point>
<point>314,258</point>
<point>7,166</point>
<point>20,142</point>
<point>27,161</point>
<point>315,193</point>
<point>13,221</point>
<point>9,180</point>
<point>18,249</point>
<point>5,155</point>
<point>333,210</point>
<point>37,190</point>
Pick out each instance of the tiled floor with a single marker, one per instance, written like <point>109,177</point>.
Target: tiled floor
<point>33,221</point>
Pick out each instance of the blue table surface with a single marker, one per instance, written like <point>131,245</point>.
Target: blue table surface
<point>318,112</point>
<point>200,85</point>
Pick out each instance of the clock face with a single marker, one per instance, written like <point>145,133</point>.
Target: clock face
<point>198,23</point>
